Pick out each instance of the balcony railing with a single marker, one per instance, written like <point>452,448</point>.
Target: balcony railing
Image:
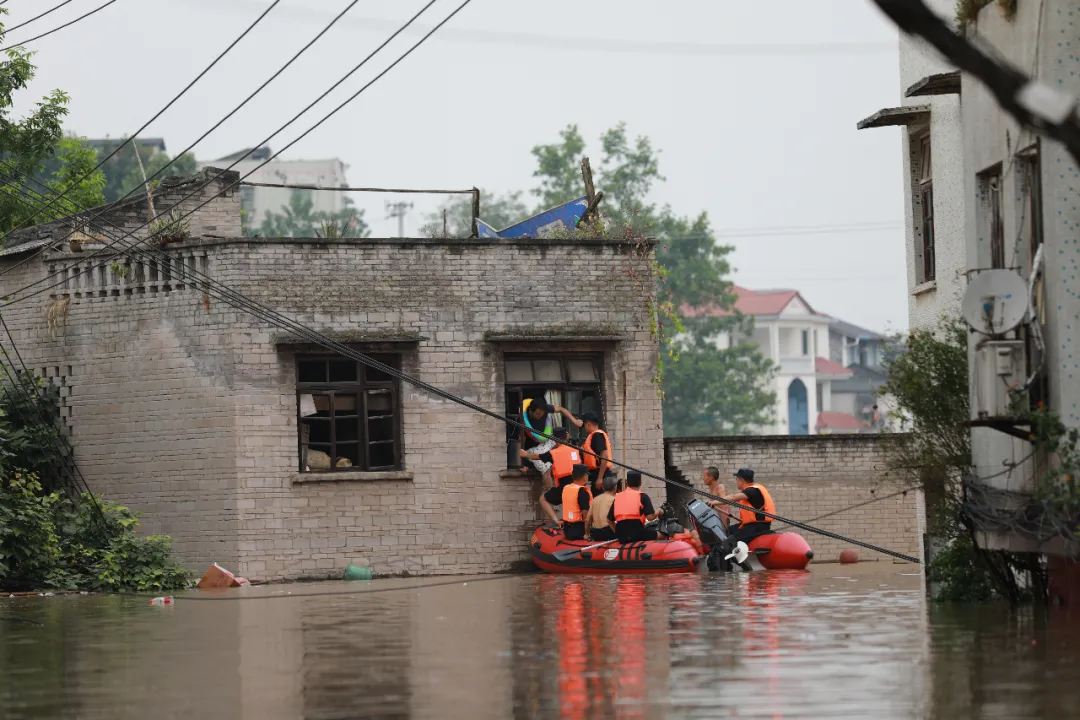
<point>797,365</point>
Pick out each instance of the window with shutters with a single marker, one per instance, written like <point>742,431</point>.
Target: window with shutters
<point>348,414</point>
<point>572,381</point>
<point>925,250</point>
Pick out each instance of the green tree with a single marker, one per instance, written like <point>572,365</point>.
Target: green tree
<point>28,143</point>
<point>714,391</point>
<point>122,170</point>
<point>300,219</point>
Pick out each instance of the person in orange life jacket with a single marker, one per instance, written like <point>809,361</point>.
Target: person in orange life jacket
<point>710,476</point>
<point>576,500</point>
<point>553,496</point>
<point>561,458</point>
<point>631,510</point>
<point>751,524</point>
<point>535,414</point>
<point>596,524</point>
<point>596,442</point>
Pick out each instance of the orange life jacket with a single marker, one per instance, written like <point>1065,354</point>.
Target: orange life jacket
<point>592,462</point>
<point>628,505</point>
<point>563,460</point>
<point>571,511</point>
<point>749,516</point>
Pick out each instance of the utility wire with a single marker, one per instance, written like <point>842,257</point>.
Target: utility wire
<point>58,29</point>
<point>159,113</point>
<point>268,160</point>
<point>36,17</point>
<point>1030,102</point>
<point>235,299</point>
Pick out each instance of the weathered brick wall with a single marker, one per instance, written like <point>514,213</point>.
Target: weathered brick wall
<point>185,409</point>
<point>145,374</point>
<point>455,509</point>
<point>810,476</point>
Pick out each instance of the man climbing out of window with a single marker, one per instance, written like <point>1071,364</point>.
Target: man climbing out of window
<point>751,524</point>
<point>596,525</point>
<point>536,415</point>
<point>561,459</point>
<point>596,442</point>
<point>631,510</point>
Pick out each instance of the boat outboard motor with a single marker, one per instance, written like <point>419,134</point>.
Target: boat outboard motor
<point>712,533</point>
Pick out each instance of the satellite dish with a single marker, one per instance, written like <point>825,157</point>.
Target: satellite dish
<point>995,302</point>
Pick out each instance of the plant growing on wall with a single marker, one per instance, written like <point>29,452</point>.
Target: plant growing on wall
<point>47,540</point>
<point>967,11</point>
<point>929,383</point>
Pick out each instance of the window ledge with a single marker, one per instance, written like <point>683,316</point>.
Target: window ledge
<point>516,474</point>
<point>350,476</point>
<point>925,287</point>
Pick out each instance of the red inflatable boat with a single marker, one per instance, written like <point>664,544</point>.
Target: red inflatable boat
<point>649,557</point>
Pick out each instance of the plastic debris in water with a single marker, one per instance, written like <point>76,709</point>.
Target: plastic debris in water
<point>162,601</point>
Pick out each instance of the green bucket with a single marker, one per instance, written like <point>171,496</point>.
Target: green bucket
<point>355,572</point>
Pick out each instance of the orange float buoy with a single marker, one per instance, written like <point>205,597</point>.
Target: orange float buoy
<point>848,557</point>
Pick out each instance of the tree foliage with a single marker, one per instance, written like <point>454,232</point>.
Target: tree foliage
<point>27,144</point>
<point>49,541</point>
<point>300,219</point>
<point>122,172</point>
<point>708,390</point>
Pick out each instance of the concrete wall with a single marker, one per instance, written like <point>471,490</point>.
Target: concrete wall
<point>809,477</point>
<point>928,302</point>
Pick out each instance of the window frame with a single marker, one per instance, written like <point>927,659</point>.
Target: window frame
<point>924,187</point>
<point>564,358</point>
<point>361,388</point>
<point>805,337</point>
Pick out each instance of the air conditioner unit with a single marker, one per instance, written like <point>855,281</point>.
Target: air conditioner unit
<point>999,365</point>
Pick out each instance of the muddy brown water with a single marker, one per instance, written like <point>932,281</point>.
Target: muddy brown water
<point>839,641</point>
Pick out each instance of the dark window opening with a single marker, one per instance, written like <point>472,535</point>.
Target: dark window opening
<point>572,381</point>
<point>348,415</point>
<point>805,342</point>
<point>925,235</point>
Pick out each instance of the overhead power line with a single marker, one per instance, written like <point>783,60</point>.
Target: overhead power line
<point>581,43</point>
<point>58,29</point>
<point>159,113</point>
<point>37,17</point>
<point>248,99</point>
<point>269,159</point>
<point>223,293</point>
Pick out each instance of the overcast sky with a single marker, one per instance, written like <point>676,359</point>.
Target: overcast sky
<point>753,105</point>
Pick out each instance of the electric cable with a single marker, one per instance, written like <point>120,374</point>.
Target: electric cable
<point>58,29</point>
<point>134,135</point>
<point>269,159</point>
<point>37,17</point>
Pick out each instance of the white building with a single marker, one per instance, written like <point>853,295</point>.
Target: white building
<point>257,201</point>
<point>934,191</point>
<point>827,370</point>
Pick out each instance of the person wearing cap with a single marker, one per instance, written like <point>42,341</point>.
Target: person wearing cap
<point>751,524</point>
<point>596,525</point>
<point>631,510</point>
<point>597,443</point>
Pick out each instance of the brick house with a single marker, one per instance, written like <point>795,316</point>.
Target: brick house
<point>207,420</point>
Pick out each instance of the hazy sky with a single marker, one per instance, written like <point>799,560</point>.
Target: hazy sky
<point>753,105</point>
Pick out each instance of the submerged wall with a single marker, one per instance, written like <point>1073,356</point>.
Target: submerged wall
<point>811,476</point>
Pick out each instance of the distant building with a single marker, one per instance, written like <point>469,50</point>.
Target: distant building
<point>827,372</point>
<point>257,201</point>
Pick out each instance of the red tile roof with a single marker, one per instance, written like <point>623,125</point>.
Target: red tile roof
<point>824,366</point>
<point>751,302</point>
<point>838,421</point>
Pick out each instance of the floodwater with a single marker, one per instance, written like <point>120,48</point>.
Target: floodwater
<point>839,641</point>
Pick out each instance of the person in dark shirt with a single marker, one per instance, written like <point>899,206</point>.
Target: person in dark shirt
<point>575,500</point>
<point>751,524</point>
<point>598,444</point>
<point>631,510</point>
